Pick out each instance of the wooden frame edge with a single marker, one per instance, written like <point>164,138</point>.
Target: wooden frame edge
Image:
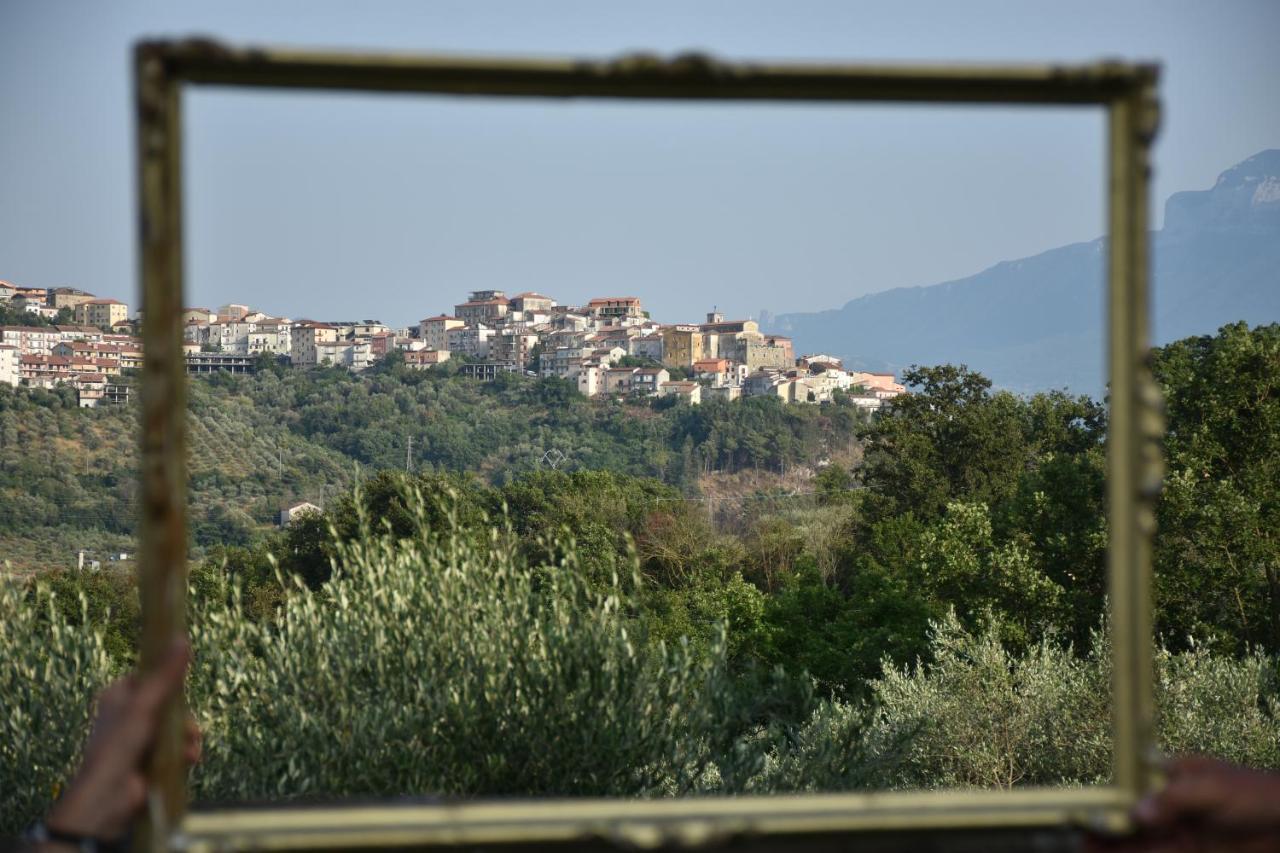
<point>1126,91</point>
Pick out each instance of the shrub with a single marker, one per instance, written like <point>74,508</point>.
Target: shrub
<point>50,669</point>
<point>438,665</point>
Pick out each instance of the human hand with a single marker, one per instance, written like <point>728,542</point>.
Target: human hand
<point>109,790</point>
<point>1206,805</point>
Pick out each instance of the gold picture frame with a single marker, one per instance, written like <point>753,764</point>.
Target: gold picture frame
<point>1127,92</point>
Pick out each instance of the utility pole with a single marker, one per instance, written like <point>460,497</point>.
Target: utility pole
<point>408,457</point>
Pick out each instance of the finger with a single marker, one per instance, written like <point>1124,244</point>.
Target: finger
<point>194,741</point>
<point>163,682</point>
<point>136,729</point>
<point>115,696</point>
<point>1185,796</point>
<point>1194,765</point>
<point>127,803</point>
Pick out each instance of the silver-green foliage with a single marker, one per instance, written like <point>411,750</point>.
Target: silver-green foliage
<point>979,716</point>
<point>50,670</point>
<point>439,665</point>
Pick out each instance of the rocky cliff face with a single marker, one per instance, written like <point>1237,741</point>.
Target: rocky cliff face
<point>1246,197</point>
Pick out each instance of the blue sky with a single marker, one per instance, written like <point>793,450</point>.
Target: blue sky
<point>392,207</point>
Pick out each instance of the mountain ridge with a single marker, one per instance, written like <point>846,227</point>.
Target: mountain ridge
<point>1036,322</point>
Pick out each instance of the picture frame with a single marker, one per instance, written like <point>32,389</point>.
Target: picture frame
<point>1127,93</point>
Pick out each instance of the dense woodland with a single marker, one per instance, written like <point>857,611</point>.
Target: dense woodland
<point>942,572</point>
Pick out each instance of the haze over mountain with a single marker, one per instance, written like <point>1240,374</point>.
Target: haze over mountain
<point>1036,323</point>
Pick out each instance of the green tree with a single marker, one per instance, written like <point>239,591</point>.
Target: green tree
<point>1218,533</point>
<point>951,438</point>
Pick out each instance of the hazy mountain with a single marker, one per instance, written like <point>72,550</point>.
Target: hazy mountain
<point>1036,323</point>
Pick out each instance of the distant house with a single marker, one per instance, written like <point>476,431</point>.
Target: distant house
<point>531,303</point>
<point>647,380</point>
<point>617,380</point>
<point>90,388</point>
<point>7,291</point>
<point>614,308</point>
<point>424,358</point>
<point>355,355</point>
<point>484,306</point>
<point>214,362</point>
<point>690,392</point>
<point>649,346</point>
<point>433,330</point>
<point>9,356</point>
<point>471,341</point>
<point>714,370</point>
<point>767,382</point>
<point>722,392</point>
<point>67,297</point>
<point>101,312</point>
<point>291,512</point>
<point>198,315</point>
<point>306,338</point>
<point>30,340</point>
<point>486,371</point>
<point>882,385</point>
<point>590,378</point>
<point>819,362</point>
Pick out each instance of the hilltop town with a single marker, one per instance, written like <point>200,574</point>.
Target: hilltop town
<point>609,346</point>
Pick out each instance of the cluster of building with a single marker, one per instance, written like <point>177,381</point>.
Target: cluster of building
<point>238,330</point>
<point>88,354</point>
<point>609,346</point>
<point>85,309</point>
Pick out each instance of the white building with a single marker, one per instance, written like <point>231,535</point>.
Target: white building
<point>471,341</point>
<point>273,335</point>
<point>433,330</point>
<point>590,379</point>
<point>353,355</point>
<point>31,340</point>
<point>296,509</point>
<point>9,374</point>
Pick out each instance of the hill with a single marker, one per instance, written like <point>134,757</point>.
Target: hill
<point>68,475</point>
<point>1035,323</point>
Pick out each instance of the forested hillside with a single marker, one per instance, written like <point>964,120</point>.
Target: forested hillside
<point>258,442</point>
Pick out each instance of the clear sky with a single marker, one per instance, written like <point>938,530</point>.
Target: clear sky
<point>392,207</point>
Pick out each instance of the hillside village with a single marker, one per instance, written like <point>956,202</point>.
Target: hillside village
<point>609,346</point>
